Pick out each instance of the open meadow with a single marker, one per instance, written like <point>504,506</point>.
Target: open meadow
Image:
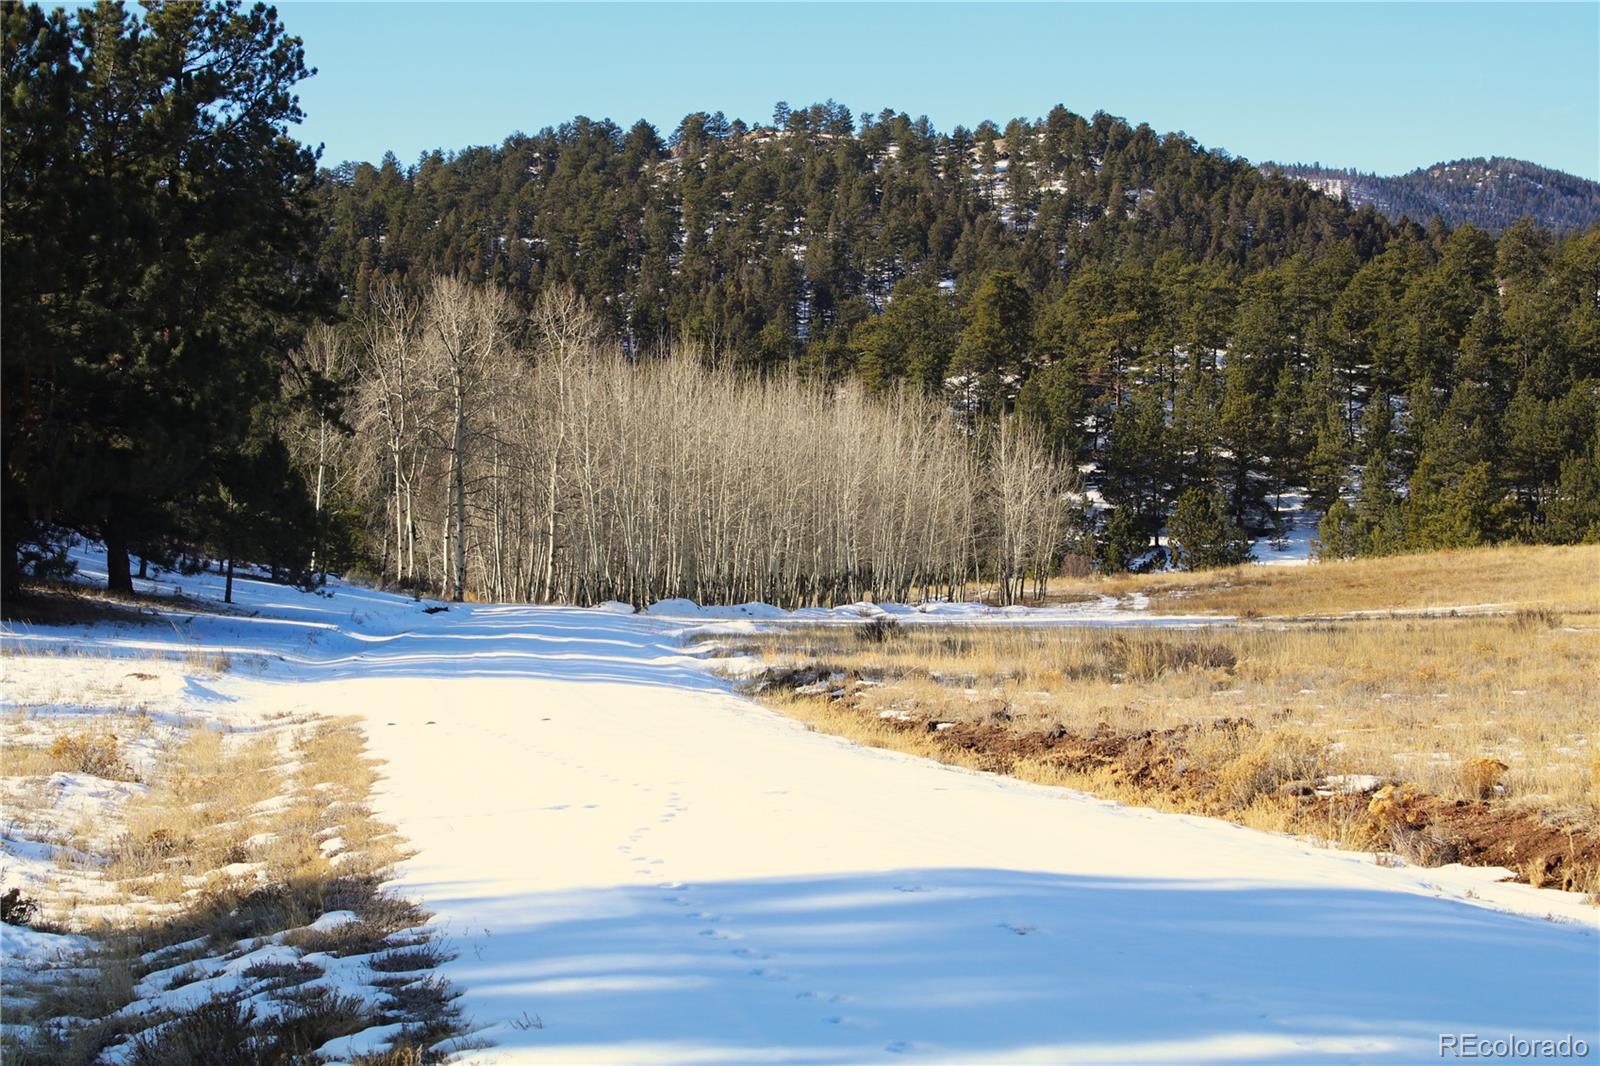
<point>1442,707</point>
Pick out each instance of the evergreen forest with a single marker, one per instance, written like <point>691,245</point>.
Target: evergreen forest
<point>540,370</point>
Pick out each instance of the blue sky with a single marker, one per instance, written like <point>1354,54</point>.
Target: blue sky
<point>1382,87</point>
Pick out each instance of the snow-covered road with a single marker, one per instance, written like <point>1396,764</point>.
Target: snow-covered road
<point>638,865</point>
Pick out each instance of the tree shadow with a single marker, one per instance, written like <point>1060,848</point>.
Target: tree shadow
<point>992,965</point>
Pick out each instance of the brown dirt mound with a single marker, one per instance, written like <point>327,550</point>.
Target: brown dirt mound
<point>1480,833</point>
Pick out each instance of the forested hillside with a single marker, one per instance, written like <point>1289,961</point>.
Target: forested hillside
<point>1488,193</point>
<point>775,241</point>
<point>442,371</point>
<point>1186,327</point>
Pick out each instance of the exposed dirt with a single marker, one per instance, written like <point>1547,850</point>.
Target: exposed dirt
<point>1481,833</point>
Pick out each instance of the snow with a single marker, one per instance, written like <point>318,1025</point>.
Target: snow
<point>34,949</point>
<point>1352,783</point>
<point>635,863</point>
<point>332,921</point>
<point>1294,548</point>
<point>366,1042</point>
<point>1100,611</point>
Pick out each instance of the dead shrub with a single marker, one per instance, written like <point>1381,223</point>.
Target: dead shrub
<point>1422,848</point>
<point>236,912</point>
<point>1074,565</point>
<point>425,956</point>
<point>1585,878</point>
<point>17,909</point>
<point>318,1015</point>
<point>1478,777</point>
<point>431,999</point>
<point>879,630</point>
<point>221,1030</point>
<point>1388,806</point>
<point>1261,768</point>
<point>284,974</point>
<point>96,754</point>
<point>1535,619</point>
<point>141,855</point>
<point>401,1055</point>
<point>201,661</point>
<point>1148,658</point>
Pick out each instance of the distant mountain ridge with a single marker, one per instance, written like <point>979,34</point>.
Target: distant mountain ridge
<point>1488,193</point>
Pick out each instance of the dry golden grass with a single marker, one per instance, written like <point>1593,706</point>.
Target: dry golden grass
<point>1253,766</point>
<point>1355,668</point>
<point>29,760</point>
<point>237,839</point>
<point>216,807</point>
<point>1565,578</point>
<point>1268,770</point>
<point>1413,699</point>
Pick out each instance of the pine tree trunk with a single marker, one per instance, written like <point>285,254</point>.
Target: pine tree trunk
<point>11,569</point>
<point>119,574</point>
<point>227,593</point>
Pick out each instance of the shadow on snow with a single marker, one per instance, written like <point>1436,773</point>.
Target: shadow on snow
<point>986,964</point>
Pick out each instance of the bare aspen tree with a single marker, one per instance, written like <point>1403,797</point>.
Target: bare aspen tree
<point>467,328</point>
<point>1030,496</point>
<point>314,440</point>
<point>564,332</point>
<point>566,470</point>
<point>388,401</point>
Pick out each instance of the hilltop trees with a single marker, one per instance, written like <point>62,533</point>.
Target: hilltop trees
<point>991,357</point>
<point>718,230</point>
<point>1495,194</point>
<point>158,258</point>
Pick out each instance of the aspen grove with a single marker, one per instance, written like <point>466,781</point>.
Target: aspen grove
<point>506,457</point>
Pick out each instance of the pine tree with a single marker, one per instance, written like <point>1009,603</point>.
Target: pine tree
<point>992,354</point>
<point>1380,528</point>
<point>1574,511</point>
<point>1140,467</point>
<point>1123,538</point>
<point>1328,455</point>
<point>1243,425</point>
<point>42,245</point>
<point>193,227</point>
<point>1338,534</point>
<point>1201,533</point>
<point>913,340</point>
<point>1056,398</point>
<point>1457,497</point>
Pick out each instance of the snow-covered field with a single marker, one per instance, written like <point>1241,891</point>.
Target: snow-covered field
<point>637,864</point>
